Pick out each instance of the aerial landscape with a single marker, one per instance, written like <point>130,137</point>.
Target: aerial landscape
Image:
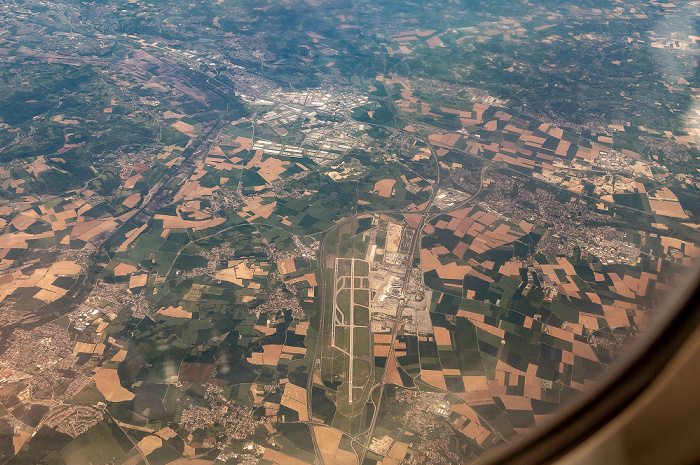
<point>316,232</point>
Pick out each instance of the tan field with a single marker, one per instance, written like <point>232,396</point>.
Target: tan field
<point>594,297</point>
<point>475,383</point>
<point>193,190</point>
<point>511,269</point>
<point>562,148</point>
<point>309,277</point>
<point>246,143</point>
<point>131,181</point>
<point>258,393</point>
<point>49,296</point>
<point>65,267</point>
<point>255,209</point>
<point>644,283</point>
<point>293,350</point>
<point>171,114</point>
<point>20,438</point>
<point>253,162</point>
<point>266,330</point>
<point>25,219</point>
<point>149,444</point>
<point>615,316</point>
<point>445,140</point>
<point>584,350</point>
<point>452,270</point>
<point>132,200</point>
<point>119,356</point>
<point>185,128</point>
<point>175,312</point>
<point>667,208</point>
<point>429,258</point>
<point>281,459</point>
<point>516,402</point>
<point>498,332</point>
<point>466,411</point>
<point>434,42</point>
<point>123,269</point>
<point>328,440</point>
<point>434,378</point>
<point>220,164</point>
<point>442,336</point>
<point>166,433</point>
<point>287,266</point>
<point>590,322</point>
<point>671,242</point>
<point>83,348</point>
<point>229,275</point>
<point>270,169</point>
<point>620,286</point>
<point>393,237</point>
<point>138,280</point>
<point>108,384</point>
<point>294,397</point>
<point>82,227</point>
<point>381,350</point>
<point>392,372</point>
<point>301,328</point>
<point>37,166</point>
<point>344,457</point>
<point>424,154</point>
<point>239,270</point>
<point>96,229</point>
<point>632,283</point>
<point>384,187</point>
<point>269,356</point>
<point>174,222</point>
<point>397,452</point>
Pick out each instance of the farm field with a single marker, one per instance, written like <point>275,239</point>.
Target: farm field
<point>316,233</point>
